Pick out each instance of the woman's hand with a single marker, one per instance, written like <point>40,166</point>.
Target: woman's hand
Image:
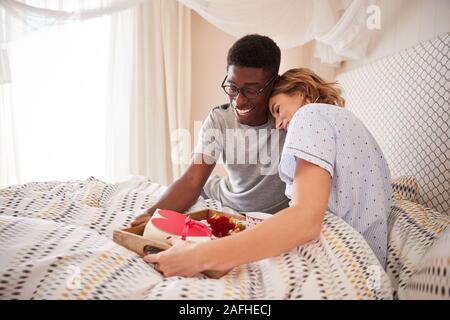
<point>181,259</point>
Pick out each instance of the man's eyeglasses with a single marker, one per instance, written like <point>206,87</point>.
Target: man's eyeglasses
<point>232,91</point>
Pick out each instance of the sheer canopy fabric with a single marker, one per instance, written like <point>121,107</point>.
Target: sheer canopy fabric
<point>19,17</point>
<point>150,58</point>
<point>23,16</point>
<point>337,26</point>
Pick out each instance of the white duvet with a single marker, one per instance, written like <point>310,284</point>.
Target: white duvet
<point>57,244</point>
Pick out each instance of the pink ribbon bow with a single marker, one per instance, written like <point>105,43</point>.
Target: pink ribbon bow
<point>180,224</point>
<point>189,223</point>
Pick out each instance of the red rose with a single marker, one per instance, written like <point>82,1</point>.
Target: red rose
<point>225,225</point>
<point>221,226</point>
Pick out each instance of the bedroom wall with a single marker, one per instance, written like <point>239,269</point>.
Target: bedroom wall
<point>405,23</point>
<point>404,105</point>
<point>209,51</point>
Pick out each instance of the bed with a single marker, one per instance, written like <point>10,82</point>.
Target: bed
<point>57,236</point>
<point>57,244</point>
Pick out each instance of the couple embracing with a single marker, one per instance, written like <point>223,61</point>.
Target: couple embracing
<point>291,149</point>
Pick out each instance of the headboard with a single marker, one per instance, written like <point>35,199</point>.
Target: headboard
<point>403,99</point>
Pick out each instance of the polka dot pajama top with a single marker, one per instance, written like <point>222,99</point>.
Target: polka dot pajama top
<point>336,140</point>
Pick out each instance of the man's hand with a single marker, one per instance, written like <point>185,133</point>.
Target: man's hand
<point>143,218</point>
<point>183,192</point>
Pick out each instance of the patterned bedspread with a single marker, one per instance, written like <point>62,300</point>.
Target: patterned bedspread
<point>57,244</point>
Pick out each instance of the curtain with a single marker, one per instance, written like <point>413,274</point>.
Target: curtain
<point>58,98</point>
<point>21,20</point>
<point>338,27</point>
<point>37,14</point>
<point>20,17</point>
<point>151,56</point>
<point>161,87</point>
<point>120,72</point>
<point>8,160</point>
<point>149,62</point>
<point>148,80</point>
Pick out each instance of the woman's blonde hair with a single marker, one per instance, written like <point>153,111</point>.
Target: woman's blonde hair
<point>312,87</point>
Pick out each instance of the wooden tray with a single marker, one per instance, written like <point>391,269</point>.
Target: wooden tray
<point>132,239</point>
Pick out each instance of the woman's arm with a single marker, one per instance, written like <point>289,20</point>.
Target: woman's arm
<point>285,230</point>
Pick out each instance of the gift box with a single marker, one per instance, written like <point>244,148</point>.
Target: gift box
<point>167,223</point>
<point>189,227</point>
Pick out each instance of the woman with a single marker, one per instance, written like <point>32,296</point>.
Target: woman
<point>330,161</point>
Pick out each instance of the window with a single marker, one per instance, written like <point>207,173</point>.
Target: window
<point>59,91</point>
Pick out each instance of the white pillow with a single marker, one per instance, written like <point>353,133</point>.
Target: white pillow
<point>413,232</point>
<point>431,280</point>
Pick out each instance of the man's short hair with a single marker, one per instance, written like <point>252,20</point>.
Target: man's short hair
<point>255,51</point>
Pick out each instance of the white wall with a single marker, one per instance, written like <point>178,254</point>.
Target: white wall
<point>405,23</point>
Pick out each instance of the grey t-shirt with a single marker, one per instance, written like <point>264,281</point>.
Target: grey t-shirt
<point>251,156</point>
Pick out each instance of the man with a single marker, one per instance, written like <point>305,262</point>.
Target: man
<point>243,133</point>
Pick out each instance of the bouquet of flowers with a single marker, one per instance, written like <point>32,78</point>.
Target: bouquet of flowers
<point>222,226</point>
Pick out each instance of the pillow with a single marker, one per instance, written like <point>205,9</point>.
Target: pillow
<point>412,233</point>
<point>432,277</point>
<point>405,188</point>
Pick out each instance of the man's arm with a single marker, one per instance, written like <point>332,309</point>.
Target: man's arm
<point>183,192</point>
